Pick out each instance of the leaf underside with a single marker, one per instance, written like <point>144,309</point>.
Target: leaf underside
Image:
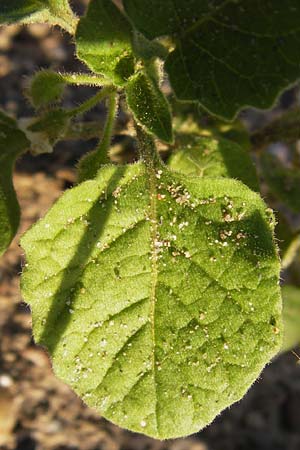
<point>156,295</point>
<point>30,11</point>
<point>12,143</point>
<point>210,157</point>
<point>229,54</point>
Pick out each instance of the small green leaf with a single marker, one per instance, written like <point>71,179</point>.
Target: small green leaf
<point>283,181</point>
<point>291,316</point>
<point>149,106</point>
<point>228,54</point>
<point>12,143</point>
<point>46,87</point>
<point>53,123</point>
<point>43,132</point>
<point>103,41</point>
<point>55,12</point>
<point>147,50</point>
<point>155,293</point>
<point>210,157</point>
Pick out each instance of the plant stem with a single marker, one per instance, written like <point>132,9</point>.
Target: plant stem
<point>291,252</point>
<point>91,102</point>
<point>88,130</point>
<point>147,148</point>
<point>85,79</point>
<point>101,152</point>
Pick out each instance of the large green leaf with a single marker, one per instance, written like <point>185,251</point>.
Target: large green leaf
<point>211,157</point>
<point>229,53</point>
<point>56,12</point>
<point>291,316</point>
<point>156,295</point>
<point>283,181</point>
<point>12,143</point>
<point>103,40</point>
<point>149,105</point>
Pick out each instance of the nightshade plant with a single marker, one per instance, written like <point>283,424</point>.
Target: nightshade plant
<point>155,286</point>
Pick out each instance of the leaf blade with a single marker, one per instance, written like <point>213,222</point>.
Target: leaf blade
<point>55,12</point>
<point>149,106</point>
<point>118,238</point>
<point>246,54</point>
<point>12,143</point>
<point>214,157</point>
<point>103,40</point>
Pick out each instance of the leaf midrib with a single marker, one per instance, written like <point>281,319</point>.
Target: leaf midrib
<point>154,271</point>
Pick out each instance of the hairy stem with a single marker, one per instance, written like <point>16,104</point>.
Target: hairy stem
<point>291,252</point>
<point>91,102</point>
<point>101,151</point>
<point>147,148</point>
<point>85,79</point>
<point>88,130</point>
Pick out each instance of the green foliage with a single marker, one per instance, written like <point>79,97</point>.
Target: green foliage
<point>46,87</point>
<point>291,316</point>
<point>55,12</point>
<point>89,165</point>
<point>283,181</point>
<point>131,283</point>
<point>103,40</point>
<point>156,289</point>
<point>210,157</point>
<point>51,125</point>
<point>149,106</point>
<point>12,143</point>
<point>147,49</point>
<point>228,54</point>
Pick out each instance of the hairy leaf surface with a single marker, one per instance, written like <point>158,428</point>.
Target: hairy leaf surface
<point>156,294</point>
<point>229,53</point>
<point>149,106</point>
<point>103,40</point>
<point>46,87</point>
<point>291,316</point>
<point>209,157</point>
<point>52,124</point>
<point>56,12</point>
<point>12,143</point>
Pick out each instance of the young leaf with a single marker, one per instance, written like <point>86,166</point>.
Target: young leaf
<point>103,41</point>
<point>146,49</point>
<point>55,12</point>
<point>228,54</point>
<point>291,316</point>
<point>12,143</point>
<point>155,293</point>
<point>53,123</point>
<point>46,87</point>
<point>283,181</point>
<point>45,131</point>
<point>149,106</point>
<point>210,157</point>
